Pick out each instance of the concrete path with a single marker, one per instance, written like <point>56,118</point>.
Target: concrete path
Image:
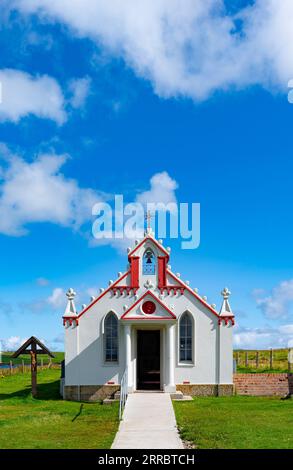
<point>148,423</point>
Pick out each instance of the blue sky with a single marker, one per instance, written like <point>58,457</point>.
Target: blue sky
<point>89,110</point>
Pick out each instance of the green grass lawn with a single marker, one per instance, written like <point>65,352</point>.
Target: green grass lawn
<point>49,422</point>
<point>236,422</point>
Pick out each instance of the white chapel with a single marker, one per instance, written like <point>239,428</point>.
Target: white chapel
<point>151,327</point>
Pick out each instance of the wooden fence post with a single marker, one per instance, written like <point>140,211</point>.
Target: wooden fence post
<point>42,363</point>
<point>290,360</point>
<point>10,367</point>
<point>246,358</point>
<point>257,359</point>
<point>22,362</point>
<point>271,358</point>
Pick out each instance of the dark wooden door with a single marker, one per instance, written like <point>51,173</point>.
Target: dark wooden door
<point>148,360</point>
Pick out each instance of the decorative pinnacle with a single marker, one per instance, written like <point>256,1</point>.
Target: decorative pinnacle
<point>70,294</point>
<point>226,293</point>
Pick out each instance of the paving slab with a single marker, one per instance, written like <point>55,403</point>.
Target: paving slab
<point>148,423</point>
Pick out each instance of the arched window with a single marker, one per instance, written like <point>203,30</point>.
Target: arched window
<point>185,338</point>
<point>149,262</point>
<point>111,338</point>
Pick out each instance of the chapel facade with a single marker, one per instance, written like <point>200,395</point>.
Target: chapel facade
<point>151,327</point>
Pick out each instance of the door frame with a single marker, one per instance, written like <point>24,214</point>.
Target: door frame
<point>160,328</point>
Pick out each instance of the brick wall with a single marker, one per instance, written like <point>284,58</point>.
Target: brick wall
<point>263,384</point>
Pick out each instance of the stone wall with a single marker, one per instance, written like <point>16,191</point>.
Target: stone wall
<point>205,390</point>
<point>263,384</point>
<point>89,392</point>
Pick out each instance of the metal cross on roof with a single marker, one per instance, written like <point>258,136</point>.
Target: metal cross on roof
<point>148,217</point>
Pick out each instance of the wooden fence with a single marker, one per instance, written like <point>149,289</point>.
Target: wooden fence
<point>272,359</point>
<point>21,368</point>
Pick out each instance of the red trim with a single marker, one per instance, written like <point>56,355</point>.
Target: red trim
<point>193,293</point>
<point>147,319</point>
<point>186,382</point>
<point>226,320</point>
<point>162,271</point>
<point>152,318</point>
<point>122,289</point>
<point>134,271</point>
<point>152,240</point>
<point>98,298</point>
<point>175,289</point>
<point>70,320</point>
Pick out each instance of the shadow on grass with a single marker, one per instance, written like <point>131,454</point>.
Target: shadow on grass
<point>78,414</point>
<point>48,391</point>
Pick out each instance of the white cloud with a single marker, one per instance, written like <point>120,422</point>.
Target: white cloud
<point>24,94</point>
<point>189,48</point>
<point>278,303</point>
<point>263,338</point>
<point>162,189</point>
<point>79,89</point>
<point>39,192</point>
<point>57,299</point>
<point>12,343</point>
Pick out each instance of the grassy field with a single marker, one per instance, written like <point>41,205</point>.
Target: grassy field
<point>280,361</point>
<point>6,357</point>
<point>48,422</point>
<point>236,422</point>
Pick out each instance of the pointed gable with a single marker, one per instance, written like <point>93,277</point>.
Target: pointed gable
<point>148,241</point>
<point>148,307</point>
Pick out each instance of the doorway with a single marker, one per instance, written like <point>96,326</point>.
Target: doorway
<point>148,360</point>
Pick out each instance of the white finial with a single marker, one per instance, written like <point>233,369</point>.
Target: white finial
<point>168,249</point>
<point>102,290</point>
<point>161,241</point>
<point>226,293</point>
<point>195,290</point>
<point>205,298</point>
<point>226,309</point>
<point>128,249</point>
<point>169,267</point>
<point>119,274</point>
<point>125,307</point>
<point>70,294</point>
<point>136,242</point>
<point>178,274</point>
<point>93,298</point>
<point>110,282</point>
<point>187,283</point>
<point>148,284</point>
<point>83,306</point>
<point>70,307</point>
<point>213,306</point>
